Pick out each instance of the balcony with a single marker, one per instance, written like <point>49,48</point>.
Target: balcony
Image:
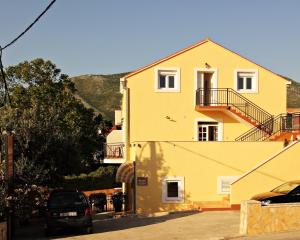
<point>229,99</point>
<point>113,150</point>
<point>113,153</point>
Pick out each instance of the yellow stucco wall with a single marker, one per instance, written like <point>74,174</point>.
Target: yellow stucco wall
<point>115,136</point>
<point>149,109</point>
<point>282,168</point>
<point>200,163</point>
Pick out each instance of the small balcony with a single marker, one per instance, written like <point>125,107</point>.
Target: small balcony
<point>113,153</point>
<point>229,99</point>
<point>113,150</point>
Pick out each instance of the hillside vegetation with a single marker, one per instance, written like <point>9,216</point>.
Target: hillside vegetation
<point>293,94</point>
<point>101,92</point>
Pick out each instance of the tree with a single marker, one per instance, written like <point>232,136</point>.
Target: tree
<point>53,129</point>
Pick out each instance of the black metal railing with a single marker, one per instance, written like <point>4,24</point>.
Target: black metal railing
<point>282,123</point>
<point>113,150</point>
<point>235,101</point>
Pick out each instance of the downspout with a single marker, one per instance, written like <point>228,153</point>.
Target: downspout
<point>123,120</point>
<point>125,91</point>
<point>134,188</point>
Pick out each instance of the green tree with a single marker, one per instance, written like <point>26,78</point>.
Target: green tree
<point>53,130</point>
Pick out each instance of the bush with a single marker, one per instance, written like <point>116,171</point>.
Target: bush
<point>102,178</point>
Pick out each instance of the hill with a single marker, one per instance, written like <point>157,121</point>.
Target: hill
<point>293,94</point>
<point>101,92</point>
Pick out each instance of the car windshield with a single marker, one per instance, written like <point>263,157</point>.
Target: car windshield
<point>285,188</point>
<point>67,199</point>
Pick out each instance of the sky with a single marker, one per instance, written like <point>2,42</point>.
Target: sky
<point>113,36</point>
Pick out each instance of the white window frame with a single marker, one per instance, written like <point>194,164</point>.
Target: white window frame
<point>220,128</point>
<point>220,180</point>
<point>180,198</point>
<point>254,73</point>
<point>172,71</point>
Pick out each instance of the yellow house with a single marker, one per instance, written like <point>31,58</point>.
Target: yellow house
<point>198,124</point>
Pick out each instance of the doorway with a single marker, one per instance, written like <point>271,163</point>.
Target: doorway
<point>207,82</point>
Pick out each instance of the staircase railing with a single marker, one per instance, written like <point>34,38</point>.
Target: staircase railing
<point>286,122</point>
<point>234,100</point>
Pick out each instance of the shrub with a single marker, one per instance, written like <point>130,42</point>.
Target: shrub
<point>102,178</point>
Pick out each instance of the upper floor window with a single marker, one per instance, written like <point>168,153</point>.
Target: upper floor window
<point>246,80</point>
<point>167,80</point>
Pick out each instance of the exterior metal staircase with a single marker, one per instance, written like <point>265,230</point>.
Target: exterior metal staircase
<point>266,126</point>
<point>283,126</point>
<point>234,102</point>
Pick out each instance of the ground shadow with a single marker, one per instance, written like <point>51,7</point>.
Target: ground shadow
<point>35,229</point>
<point>127,222</point>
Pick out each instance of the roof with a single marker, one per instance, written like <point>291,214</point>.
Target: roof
<point>190,48</point>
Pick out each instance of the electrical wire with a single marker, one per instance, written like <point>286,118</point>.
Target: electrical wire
<point>6,93</point>
<point>30,26</point>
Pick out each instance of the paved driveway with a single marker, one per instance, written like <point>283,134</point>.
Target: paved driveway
<point>192,226</point>
<point>219,225</point>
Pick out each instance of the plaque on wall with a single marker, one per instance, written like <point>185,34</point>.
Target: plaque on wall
<point>142,181</point>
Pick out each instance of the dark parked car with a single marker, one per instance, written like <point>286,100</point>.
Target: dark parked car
<point>285,193</point>
<point>67,210</point>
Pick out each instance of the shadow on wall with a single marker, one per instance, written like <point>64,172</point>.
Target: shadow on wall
<point>150,163</point>
<point>222,163</point>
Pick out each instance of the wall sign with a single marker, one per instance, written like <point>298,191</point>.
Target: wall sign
<point>142,181</point>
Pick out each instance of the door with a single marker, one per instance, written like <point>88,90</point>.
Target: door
<point>208,131</point>
<point>207,85</point>
<point>206,81</point>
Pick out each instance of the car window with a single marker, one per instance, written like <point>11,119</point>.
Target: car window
<point>285,188</point>
<point>67,199</point>
<point>296,191</point>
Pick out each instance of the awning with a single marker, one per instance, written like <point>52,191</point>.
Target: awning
<point>125,172</point>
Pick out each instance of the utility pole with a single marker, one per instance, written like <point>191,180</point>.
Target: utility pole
<point>9,178</point>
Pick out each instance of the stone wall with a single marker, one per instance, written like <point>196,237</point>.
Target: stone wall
<point>257,219</point>
<point>2,230</point>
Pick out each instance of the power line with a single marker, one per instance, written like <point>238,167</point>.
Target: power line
<point>2,73</point>
<point>30,26</point>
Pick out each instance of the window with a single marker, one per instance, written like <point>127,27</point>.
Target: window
<point>208,131</point>
<point>167,80</point>
<point>246,81</point>
<point>224,184</point>
<point>173,190</point>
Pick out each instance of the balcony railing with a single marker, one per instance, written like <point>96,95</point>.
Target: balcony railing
<point>283,123</point>
<point>233,100</point>
<point>113,150</point>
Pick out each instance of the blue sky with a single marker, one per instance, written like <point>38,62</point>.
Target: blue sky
<point>101,37</point>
